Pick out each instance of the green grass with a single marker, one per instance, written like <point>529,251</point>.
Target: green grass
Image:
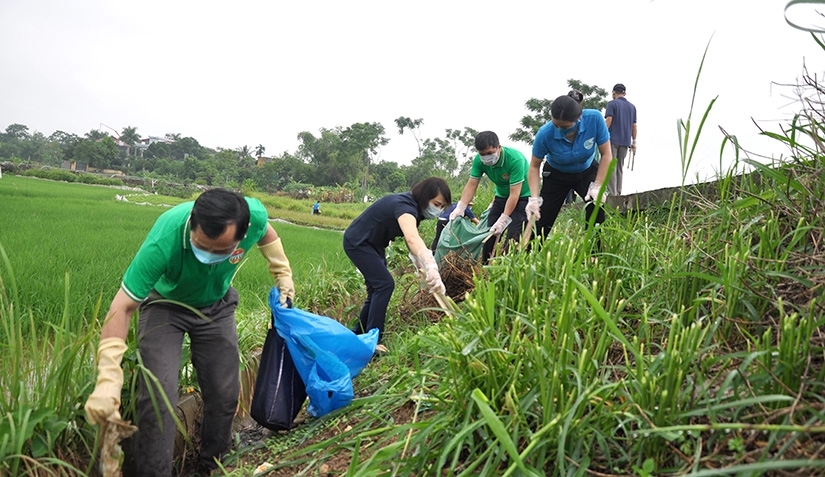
<point>57,229</point>
<point>689,343</point>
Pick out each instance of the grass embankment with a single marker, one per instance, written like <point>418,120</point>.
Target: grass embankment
<point>689,342</point>
<point>693,344</point>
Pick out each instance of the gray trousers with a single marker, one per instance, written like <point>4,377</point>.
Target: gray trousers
<point>214,353</point>
<point>614,185</point>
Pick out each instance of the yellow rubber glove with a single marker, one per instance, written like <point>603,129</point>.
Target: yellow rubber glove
<point>280,269</point>
<point>105,399</point>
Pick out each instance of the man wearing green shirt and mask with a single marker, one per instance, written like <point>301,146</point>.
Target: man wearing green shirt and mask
<point>190,256</point>
<point>507,168</point>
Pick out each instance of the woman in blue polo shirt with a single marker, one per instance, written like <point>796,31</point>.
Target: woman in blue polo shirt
<point>569,144</point>
<point>367,237</point>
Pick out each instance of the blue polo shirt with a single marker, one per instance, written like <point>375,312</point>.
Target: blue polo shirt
<point>574,156</point>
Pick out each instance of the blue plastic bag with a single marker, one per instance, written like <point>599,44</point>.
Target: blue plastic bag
<point>326,354</point>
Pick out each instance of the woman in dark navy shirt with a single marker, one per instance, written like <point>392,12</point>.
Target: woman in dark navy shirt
<point>367,237</point>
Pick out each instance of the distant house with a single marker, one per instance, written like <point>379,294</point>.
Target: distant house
<point>145,142</point>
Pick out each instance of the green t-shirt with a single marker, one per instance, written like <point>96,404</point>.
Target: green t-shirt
<point>511,169</point>
<point>166,263</point>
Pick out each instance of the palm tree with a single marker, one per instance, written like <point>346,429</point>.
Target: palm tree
<point>95,135</point>
<point>259,153</point>
<point>129,136</point>
<point>244,152</point>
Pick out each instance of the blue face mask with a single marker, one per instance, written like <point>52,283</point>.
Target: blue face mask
<point>208,258</point>
<point>565,132</point>
<point>431,212</point>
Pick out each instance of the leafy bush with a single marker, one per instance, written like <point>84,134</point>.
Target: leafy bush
<point>52,174</point>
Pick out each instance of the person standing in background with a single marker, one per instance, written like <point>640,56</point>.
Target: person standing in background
<point>620,117</point>
<point>444,219</point>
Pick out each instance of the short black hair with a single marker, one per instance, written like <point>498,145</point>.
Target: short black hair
<point>565,108</point>
<point>428,189</point>
<point>486,139</point>
<point>215,209</point>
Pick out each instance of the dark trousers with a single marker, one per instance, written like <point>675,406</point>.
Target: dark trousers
<point>439,227</point>
<point>554,190</point>
<point>373,266</point>
<point>514,230</point>
<point>214,353</point>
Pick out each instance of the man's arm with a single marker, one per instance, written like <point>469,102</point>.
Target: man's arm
<point>119,316</point>
<point>512,199</point>
<point>608,120</point>
<point>466,197</point>
<point>273,251</point>
<point>469,190</point>
<point>270,236</point>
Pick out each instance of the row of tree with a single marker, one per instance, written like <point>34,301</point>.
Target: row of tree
<point>341,156</point>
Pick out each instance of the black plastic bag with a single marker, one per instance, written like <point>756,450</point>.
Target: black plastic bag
<point>279,391</point>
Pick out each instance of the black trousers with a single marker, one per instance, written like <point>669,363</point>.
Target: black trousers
<point>514,230</point>
<point>372,264</point>
<point>554,190</point>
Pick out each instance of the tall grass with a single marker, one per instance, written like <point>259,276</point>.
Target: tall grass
<point>63,251</point>
<point>692,345</point>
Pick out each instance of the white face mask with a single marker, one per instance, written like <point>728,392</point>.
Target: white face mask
<point>431,212</point>
<point>490,159</point>
<point>208,258</point>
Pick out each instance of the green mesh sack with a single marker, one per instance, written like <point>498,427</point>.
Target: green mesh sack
<point>463,237</point>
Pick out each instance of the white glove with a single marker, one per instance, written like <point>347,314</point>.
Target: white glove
<point>458,211</point>
<point>593,192</point>
<point>434,281</point>
<point>501,224</point>
<point>534,207</point>
<point>425,258</point>
<point>416,263</point>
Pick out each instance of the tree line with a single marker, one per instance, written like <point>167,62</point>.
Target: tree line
<point>334,157</point>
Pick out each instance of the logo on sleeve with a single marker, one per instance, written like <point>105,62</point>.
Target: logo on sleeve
<point>237,256</point>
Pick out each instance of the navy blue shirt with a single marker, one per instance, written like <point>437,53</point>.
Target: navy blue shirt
<point>378,225</point>
<point>623,113</point>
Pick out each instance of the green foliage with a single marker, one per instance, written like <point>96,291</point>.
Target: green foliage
<point>69,176</point>
<point>695,327</point>
<point>100,154</point>
<point>594,98</point>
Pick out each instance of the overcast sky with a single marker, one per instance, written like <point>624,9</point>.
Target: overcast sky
<point>255,72</point>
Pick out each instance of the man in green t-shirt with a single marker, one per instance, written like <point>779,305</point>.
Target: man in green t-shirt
<point>180,283</point>
<point>507,168</point>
